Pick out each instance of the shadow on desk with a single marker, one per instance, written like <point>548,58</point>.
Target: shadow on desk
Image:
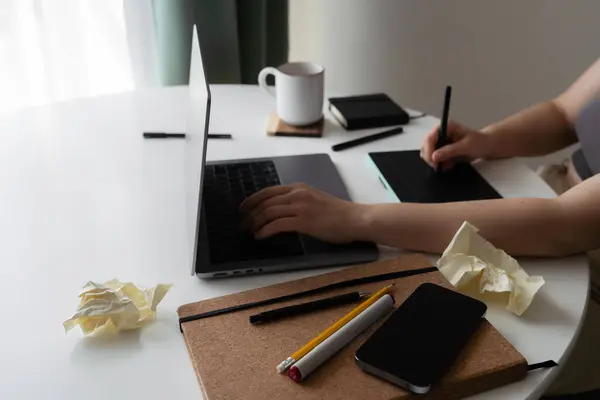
<point>122,342</point>
<point>593,395</point>
<point>105,348</point>
<point>543,310</point>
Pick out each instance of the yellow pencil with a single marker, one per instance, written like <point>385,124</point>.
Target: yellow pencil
<point>288,362</point>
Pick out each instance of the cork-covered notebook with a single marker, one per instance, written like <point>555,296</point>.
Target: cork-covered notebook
<point>236,360</point>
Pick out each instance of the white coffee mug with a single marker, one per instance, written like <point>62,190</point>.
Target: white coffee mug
<point>298,89</point>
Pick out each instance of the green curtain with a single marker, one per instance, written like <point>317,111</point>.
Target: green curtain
<point>238,38</point>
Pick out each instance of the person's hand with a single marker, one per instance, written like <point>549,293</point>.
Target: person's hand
<point>303,209</point>
<point>467,144</point>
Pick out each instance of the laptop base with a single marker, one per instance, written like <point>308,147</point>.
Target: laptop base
<point>241,255</point>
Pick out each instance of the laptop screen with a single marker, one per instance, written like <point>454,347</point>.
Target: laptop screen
<point>198,116</point>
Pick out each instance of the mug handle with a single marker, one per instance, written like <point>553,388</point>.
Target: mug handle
<point>262,79</point>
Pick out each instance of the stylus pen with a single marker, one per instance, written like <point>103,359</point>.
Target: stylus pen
<point>307,307</point>
<point>219,136</point>
<point>442,139</point>
<point>304,350</point>
<point>162,135</point>
<point>443,134</point>
<point>341,338</point>
<point>366,139</point>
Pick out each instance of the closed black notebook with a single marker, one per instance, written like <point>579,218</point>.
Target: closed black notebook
<point>413,181</point>
<point>367,111</point>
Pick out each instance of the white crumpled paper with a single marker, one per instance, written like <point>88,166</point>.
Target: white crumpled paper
<point>469,256</point>
<point>114,306</point>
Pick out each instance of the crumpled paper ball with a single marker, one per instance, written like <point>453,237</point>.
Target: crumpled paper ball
<point>114,306</point>
<point>469,257</point>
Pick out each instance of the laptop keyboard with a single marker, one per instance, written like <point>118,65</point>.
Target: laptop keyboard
<point>225,187</point>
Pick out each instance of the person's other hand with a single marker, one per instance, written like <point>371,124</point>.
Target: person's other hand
<point>467,144</point>
<point>303,209</point>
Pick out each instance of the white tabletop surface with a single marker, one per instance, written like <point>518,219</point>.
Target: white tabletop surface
<point>84,197</point>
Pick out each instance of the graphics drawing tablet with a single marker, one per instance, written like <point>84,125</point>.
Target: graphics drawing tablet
<point>411,180</point>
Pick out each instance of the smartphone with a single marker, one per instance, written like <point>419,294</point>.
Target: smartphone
<point>420,341</point>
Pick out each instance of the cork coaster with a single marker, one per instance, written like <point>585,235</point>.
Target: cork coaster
<point>277,127</point>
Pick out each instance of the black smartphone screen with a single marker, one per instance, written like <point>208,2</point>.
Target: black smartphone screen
<point>421,340</point>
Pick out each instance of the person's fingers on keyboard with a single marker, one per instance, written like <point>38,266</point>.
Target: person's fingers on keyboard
<point>281,225</point>
<point>271,214</point>
<point>296,204</point>
<point>311,212</point>
<point>277,200</point>
<point>254,200</point>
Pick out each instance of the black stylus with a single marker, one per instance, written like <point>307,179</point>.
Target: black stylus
<point>219,136</point>
<point>162,135</point>
<point>443,135</point>
<point>442,139</point>
<point>366,139</point>
<point>303,308</point>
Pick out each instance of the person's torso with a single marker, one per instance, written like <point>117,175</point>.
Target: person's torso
<point>586,160</point>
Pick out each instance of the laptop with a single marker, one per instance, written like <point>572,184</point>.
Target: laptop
<point>215,190</point>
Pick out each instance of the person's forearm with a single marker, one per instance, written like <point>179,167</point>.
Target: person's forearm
<point>518,226</point>
<point>535,131</point>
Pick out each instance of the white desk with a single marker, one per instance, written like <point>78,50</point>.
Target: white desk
<point>83,197</point>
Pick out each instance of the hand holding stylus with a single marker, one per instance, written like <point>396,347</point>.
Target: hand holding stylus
<point>463,144</point>
<point>450,142</point>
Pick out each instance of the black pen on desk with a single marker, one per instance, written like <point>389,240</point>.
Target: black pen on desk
<point>442,139</point>
<point>303,308</point>
<point>366,139</point>
<point>163,135</point>
<point>220,136</point>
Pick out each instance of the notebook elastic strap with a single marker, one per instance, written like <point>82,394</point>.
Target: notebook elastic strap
<point>338,285</point>
<point>540,365</point>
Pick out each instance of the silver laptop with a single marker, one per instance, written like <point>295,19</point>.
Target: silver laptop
<point>215,190</point>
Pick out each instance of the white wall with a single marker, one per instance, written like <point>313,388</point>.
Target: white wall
<point>499,56</point>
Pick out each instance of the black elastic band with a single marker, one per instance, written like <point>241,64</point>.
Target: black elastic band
<point>544,364</point>
<point>337,285</point>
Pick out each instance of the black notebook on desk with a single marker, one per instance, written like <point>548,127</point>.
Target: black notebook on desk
<point>413,181</point>
<point>367,111</point>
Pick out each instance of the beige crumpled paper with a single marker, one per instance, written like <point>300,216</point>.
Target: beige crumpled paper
<point>114,306</point>
<point>469,256</point>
